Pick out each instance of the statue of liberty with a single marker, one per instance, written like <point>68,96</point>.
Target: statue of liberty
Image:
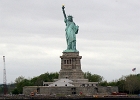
<point>71,31</point>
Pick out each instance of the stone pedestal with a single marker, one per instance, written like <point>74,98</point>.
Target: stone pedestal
<point>71,66</point>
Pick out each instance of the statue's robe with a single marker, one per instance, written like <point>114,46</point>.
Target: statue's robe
<point>71,31</point>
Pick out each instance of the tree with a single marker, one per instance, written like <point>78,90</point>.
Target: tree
<point>132,83</point>
<point>103,83</point>
<point>121,84</point>
<point>15,91</point>
<point>36,81</point>
<point>93,78</point>
<point>23,83</point>
<point>112,83</point>
<point>1,89</point>
<point>20,83</point>
<point>19,79</point>
<point>46,77</point>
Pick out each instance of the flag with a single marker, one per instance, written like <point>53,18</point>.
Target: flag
<point>133,69</point>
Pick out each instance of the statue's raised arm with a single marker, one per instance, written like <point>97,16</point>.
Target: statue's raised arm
<point>64,11</point>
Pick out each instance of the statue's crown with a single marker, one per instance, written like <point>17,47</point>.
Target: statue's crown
<point>70,16</point>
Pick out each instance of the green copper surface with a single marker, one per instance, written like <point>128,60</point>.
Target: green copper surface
<point>71,31</point>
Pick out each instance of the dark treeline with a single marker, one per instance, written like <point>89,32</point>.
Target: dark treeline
<point>129,84</point>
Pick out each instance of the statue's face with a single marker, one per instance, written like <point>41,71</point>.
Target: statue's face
<point>70,18</point>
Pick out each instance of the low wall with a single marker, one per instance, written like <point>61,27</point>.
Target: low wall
<point>59,90</point>
<point>88,90</point>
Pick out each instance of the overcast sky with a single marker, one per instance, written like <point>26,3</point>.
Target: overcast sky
<point>32,36</point>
